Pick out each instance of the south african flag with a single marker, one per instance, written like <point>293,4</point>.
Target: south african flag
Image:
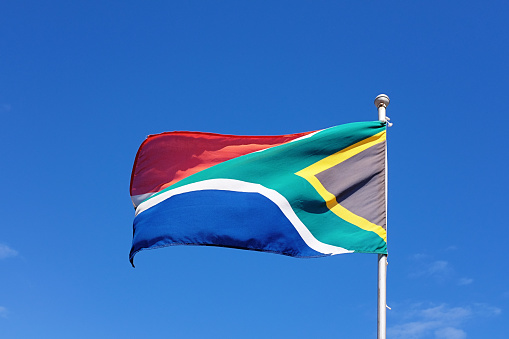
<point>310,194</point>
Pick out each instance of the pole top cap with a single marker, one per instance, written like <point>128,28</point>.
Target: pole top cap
<point>382,100</point>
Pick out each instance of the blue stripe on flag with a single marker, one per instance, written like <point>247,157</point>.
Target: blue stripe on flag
<point>219,218</point>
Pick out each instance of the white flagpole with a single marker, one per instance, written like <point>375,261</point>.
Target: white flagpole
<point>381,102</point>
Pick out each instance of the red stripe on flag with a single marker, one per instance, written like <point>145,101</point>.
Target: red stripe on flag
<point>163,159</point>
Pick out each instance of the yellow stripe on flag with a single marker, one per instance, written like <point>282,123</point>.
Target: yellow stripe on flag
<point>309,173</point>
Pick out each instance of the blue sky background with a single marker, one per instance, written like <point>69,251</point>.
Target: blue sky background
<point>82,83</point>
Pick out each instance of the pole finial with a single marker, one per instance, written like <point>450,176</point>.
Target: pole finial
<point>381,102</point>
<point>382,99</point>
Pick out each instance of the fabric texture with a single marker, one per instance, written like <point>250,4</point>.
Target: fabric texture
<point>303,195</point>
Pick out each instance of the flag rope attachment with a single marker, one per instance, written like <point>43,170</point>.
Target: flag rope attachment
<point>381,102</point>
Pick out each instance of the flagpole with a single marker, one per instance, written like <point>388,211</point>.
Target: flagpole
<point>381,102</point>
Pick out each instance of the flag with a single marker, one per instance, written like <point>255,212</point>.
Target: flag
<point>309,194</point>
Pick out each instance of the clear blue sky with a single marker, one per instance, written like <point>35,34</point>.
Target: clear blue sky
<point>82,83</point>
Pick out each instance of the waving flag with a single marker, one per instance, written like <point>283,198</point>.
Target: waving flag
<point>303,195</point>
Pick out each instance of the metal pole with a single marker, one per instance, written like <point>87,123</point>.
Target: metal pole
<point>381,102</point>
<point>382,296</point>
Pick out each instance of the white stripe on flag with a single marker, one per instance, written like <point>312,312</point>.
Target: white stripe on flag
<point>242,186</point>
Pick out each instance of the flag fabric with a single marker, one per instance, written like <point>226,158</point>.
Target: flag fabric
<point>303,195</point>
